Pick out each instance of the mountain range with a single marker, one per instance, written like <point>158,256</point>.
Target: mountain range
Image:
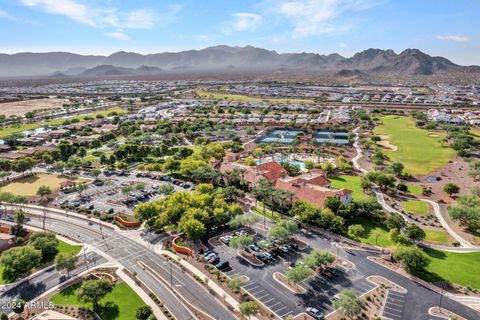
<point>371,63</point>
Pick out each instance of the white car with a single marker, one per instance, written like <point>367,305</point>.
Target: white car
<point>315,313</point>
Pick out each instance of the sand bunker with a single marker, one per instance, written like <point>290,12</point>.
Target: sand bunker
<point>386,143</point>
<point>432,135</point>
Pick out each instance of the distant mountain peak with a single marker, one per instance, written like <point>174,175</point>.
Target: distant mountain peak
<point>228,60</point>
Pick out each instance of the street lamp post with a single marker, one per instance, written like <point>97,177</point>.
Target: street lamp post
<point>441,298</point>
<point>103,236</point>
<point>84,253</point>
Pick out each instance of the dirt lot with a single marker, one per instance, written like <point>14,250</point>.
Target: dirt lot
<point>21,107</point>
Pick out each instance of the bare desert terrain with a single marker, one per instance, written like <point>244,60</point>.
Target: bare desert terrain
<point>19,108</point>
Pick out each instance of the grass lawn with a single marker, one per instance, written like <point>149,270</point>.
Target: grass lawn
<point>368,237</point>
<point>414,189</point>
<point>28,186</point>
<point>417,207</point>
<point>351,183</point>
<point>420,151</point>
<point>437,236</point>
<point>54,122</point>
<point>475,132</point>
<point>121,303</point>
<point>241,97</point>
<point>63,247</point>
<point>459,268</point>
<point>268,213</point>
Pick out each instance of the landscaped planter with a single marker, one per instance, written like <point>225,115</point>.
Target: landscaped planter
<point>181,249</point>
<point>128,224</point>
<point>254,261</point>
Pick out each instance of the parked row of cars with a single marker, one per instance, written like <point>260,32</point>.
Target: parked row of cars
<point>213,258</point>
<point>264,250</point>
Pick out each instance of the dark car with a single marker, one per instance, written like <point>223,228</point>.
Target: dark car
<point>222,265</point>
<point>214,260</point>
<point>111,211</point>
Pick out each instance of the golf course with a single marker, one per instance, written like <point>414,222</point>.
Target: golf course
<point>420,151</point>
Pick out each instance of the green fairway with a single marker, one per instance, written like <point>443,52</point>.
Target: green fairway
<point>120,304</point>
<point>63,247</point>
<point>459,268</point>
<point>352,183</point>
<point>240,97</point>
<point>420,151</point>
<point>54,122</point>
<point>414,189</point>
<point>383,239</point>
<point>417,207</point>
<point>437,236</point>
<point>29,186</point>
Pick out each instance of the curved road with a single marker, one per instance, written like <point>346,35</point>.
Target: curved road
<point>119,247</point>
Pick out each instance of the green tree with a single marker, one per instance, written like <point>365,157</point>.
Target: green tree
<point>395,221</point>
<point>397,168</point>
<point>250,161</point>
<point>451,188</point>
<point>19,260</point>
<point>143,313</point>
<point>193,229</point>
<point>412,258</point>
<point>236,282</point>
<point>298,274</point>
<point>248,308</point>
<point>93,290</point>
<point>241,242</point>
<point>414,232</point>
<point>66,261</point>
<point>44,191</point>
<point>318,259</point>
<point>377,232</point>
<point>171,165</point>
<point>19,217</point>
<point>309,164</point>
<point>46,242</point>
<point>355,231</point>
<point>348,303</point>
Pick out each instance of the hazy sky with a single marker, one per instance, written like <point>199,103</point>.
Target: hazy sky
<point>450,28</point>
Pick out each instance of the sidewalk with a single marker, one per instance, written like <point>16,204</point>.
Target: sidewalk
<point>211,284</point>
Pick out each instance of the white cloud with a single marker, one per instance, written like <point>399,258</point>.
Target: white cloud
<point>343,45</point>
<point>5,15</point>
<point>119,35</point>
<point>242,21</point>
<point>104,18</point>
<point>454,38</point>
<point>246,21</point>
<point>139,19</point>
<point>73,10</point>
<point>317,17</point>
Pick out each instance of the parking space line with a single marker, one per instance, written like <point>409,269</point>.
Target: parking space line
<point>257,292</point>
<point>265,302</point>
<point>278,310</point>
<point>273,305</point>
<point>265,295</point>
<point>393,310</point>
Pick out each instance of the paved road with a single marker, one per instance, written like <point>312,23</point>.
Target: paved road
<point>120,248</point>
<point>418,300</point>
<point>379,195</point>
<point>39,283</point>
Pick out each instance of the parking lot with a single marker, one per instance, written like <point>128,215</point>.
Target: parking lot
<point>108,196</point>
<point>394,306</point>
<point>282,302</point>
